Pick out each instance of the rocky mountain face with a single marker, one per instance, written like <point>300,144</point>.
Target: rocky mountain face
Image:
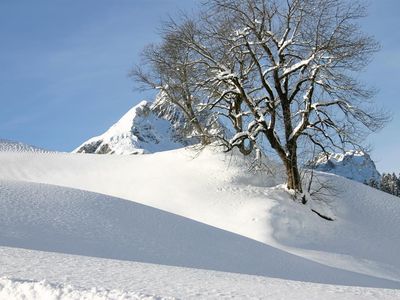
<point>13,146</point>
<point>355,165</point>
<point>143,129</point>
<point>151,127</point>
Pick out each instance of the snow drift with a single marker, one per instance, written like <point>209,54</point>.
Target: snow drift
<point>49,218</point>
<point>28,289</point>
<point>130,280</point>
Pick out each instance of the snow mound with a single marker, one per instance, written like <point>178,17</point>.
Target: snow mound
<point>12,146</point>
<point>25,289</point>
<point>141,130</point>
<point>249,223</point>
<point>58,219</point>
<point>354,165</point>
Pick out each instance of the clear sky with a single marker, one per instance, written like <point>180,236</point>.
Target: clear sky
<point>64,66</point>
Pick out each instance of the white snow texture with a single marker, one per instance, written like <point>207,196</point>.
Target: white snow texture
<point>187,225</point>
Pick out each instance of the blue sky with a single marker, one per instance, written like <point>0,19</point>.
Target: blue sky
<point>64,66</point>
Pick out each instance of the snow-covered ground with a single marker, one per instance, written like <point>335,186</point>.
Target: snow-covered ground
<point>62,276</point>
<point>168,224</point>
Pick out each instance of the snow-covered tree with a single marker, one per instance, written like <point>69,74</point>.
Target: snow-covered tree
<point>282,72</point>
<point>170,69</point>
<point>390,183</point>
<point>397,185</point>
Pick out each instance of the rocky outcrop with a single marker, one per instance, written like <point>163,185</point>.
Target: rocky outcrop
<point>355,165</point>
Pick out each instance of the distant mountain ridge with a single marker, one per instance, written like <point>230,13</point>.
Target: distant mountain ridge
<point>13,146</point>
<point>354,165</point>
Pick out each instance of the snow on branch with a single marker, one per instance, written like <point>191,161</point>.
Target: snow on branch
<point>297,66</point>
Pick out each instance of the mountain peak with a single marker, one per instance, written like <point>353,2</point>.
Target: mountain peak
<point>13,146</point>
<point>125,123</point>
<point>141,130</point>
<point>353,164</point>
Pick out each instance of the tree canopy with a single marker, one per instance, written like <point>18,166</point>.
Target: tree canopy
<point>280,72</point>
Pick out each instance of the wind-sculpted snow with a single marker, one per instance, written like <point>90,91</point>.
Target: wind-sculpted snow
<point>57,219</point>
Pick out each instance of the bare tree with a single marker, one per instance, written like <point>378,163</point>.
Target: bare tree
<point>283,71</point>
<point>171,70</point>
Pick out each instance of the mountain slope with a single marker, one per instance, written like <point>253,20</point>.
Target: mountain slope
<point>140,130</point>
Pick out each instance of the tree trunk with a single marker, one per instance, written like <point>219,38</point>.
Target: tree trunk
<point>204,138</point>
<point>293,177</point>
<point>292,171</point>
<point>289,160</point>
<point>195,124</point>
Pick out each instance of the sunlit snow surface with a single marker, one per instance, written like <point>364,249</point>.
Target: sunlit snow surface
<point>81,277</point>
<point>97,226</point>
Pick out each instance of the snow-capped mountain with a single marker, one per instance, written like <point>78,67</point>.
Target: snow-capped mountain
<point>143,129</point>
<point>355,165</point>
<point>12,146</point>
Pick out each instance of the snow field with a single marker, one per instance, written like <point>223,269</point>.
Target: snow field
<point>116,222</point>
<point>24,289</point>
<point>216,189</point>
<point>96,277</point>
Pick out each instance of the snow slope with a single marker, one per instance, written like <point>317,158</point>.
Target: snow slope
<point>185,209</point>
<point>93,278</point>
<point>140,130</point>
<point>28,289</point>
<point>49,218</point>
<point>355,165</point>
